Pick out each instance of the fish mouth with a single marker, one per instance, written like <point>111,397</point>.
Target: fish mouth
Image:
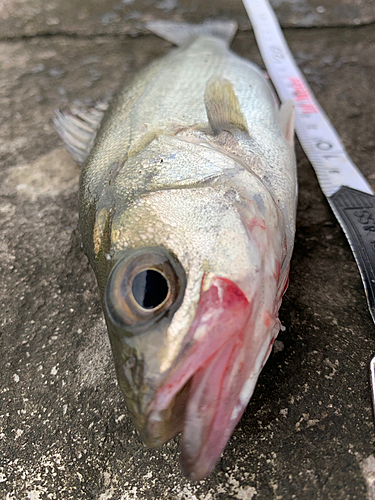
<point>206,393</point>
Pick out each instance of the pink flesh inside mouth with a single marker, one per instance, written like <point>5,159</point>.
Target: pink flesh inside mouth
<point>215,367</point>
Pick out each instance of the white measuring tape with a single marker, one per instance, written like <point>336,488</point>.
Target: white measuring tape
<point>349,194</point>
<point>315,132</point>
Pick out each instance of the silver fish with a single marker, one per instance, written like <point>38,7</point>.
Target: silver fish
<point>187,214</point>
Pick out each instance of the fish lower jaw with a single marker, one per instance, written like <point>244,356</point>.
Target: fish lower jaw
<point>204,396</point>
<point>205,411</point>
<point>190,413</point>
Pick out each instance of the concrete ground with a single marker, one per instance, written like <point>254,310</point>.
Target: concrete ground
<point>308,431</point>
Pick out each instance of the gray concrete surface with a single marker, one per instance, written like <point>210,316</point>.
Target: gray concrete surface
<point>90,17</point>
<point>64,431</point>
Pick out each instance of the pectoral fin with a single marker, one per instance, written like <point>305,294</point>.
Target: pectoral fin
<point>77,127</point>
<point>222,106</point>
<point>286,120</point>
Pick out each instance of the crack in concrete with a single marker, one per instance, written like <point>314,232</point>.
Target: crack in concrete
<point>137,34</point>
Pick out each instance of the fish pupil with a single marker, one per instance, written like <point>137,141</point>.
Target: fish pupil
<point>150,288</point>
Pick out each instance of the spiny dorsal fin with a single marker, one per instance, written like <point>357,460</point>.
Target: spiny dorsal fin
<point>78,126</point>
<point>183,33</point>
<point>286,120</point>
<point>222,106</point>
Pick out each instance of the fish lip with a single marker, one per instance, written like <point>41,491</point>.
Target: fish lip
<point>224,308</point>
<point>195,466</point>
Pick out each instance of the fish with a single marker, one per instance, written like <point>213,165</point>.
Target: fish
<point>187,215</point>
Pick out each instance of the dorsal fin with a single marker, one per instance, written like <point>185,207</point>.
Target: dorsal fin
<point>183,33</point>
<point>78,126</point>
<point>222,106</point>
<point>286,120</point>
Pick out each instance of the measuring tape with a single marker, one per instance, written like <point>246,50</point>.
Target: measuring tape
<point>349,194</point>
<point>317,136</point>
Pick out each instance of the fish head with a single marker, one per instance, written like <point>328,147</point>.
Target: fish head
<point>191,305</point>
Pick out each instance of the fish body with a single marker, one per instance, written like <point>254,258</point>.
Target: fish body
<point>187,214</point>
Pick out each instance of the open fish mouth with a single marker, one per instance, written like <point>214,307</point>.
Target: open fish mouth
<point>206,393</point>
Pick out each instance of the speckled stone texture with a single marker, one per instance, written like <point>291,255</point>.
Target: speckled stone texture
<point>308,431</point>
<point>93,17</point>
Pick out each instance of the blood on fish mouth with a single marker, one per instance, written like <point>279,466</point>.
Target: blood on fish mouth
<point>201,395</point>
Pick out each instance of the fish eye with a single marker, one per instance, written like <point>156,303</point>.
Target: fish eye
<point>143,287</point>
